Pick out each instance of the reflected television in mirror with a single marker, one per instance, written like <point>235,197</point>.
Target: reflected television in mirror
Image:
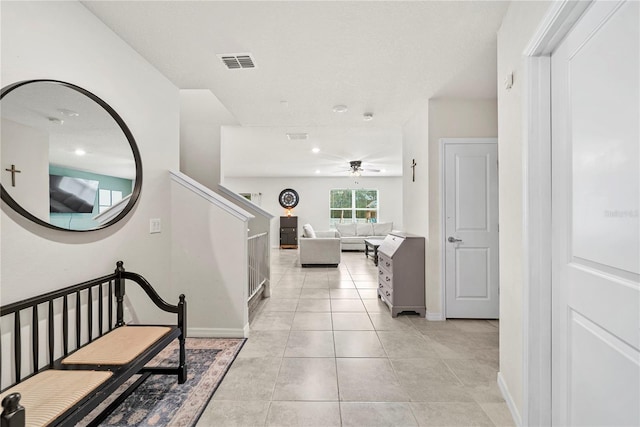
<point>71,195</point>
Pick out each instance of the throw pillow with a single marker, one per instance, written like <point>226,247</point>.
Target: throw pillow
<point>308,231</point>
<point>346,230</point>
<point>382,228</point>
<point>364,229</point>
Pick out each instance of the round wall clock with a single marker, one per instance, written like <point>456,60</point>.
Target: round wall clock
<point>288,198</point>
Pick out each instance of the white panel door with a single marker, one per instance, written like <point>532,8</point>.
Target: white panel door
<point>471,230</point>
<point>595,224</point>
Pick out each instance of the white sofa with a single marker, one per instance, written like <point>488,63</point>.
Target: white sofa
<point>319,248</point>
<point>352,235</point>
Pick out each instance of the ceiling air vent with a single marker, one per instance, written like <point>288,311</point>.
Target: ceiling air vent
<point>297,136</point>
<point>236,61</point>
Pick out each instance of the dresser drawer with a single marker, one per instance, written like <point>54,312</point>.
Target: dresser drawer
<point>385,262</point>
<point>288,238</point>
<point>385,278</point>
<point>289,221</point>
<point>385,292</point>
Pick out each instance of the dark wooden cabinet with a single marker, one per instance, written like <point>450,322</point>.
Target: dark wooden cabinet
<point>288,232</point>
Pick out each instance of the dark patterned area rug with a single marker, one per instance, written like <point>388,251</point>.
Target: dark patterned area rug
<point>161,401</point>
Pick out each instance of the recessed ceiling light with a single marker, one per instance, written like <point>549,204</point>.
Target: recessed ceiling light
<point>315,150</point>
<point>68,113</point>
<point>383,170</point>
<point>367,117</point>
<point>80,152</point>
<point>340,108</point>
<point>317,171</point>
<point>56,121</point>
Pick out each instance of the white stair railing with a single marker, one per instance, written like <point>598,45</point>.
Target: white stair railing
<point>258,263</point>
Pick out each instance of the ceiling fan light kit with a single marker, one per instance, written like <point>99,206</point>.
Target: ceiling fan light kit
<point>367,117</point>
<point>355,167</point>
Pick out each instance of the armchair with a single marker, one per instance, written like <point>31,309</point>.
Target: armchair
<point>321,250</point>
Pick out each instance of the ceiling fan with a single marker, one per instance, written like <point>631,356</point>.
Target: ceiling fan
<point>356,169</point>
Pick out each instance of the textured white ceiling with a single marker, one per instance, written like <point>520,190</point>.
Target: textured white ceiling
<point>383,57</point>
<point>249,151</point>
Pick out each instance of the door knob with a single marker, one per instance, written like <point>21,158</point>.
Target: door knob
<point>452,239</point>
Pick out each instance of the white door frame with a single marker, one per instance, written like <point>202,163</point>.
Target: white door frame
<point>536,164</point>
<point>443,143</point>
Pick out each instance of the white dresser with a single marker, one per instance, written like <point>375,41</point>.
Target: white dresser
<point>401,273</point>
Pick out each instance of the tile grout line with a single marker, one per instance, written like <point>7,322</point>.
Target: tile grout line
<point>281,363</point>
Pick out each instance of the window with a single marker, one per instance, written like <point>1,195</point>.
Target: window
<point>354,206</point>
<point>254,197</point>
<point>108,198</point>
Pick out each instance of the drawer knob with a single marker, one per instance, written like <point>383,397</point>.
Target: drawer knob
<point>388,279</point>
<point>388,294</point>
<point>387,264</point>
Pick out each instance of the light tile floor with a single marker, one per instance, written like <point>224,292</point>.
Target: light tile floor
<point>324,351</point>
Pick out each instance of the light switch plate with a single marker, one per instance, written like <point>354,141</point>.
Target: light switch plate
<point>155,226</point>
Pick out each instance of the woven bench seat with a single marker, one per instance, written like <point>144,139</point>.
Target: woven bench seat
<point>49,394</point>
<point>118,347</point>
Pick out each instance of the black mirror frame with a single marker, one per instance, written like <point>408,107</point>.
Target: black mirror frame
<point>135,194</point>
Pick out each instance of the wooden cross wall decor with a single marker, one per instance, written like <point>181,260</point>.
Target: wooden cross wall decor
<point>13,171</point>
<point>413,166</point>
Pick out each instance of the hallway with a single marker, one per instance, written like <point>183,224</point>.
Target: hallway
<point>324,351</point>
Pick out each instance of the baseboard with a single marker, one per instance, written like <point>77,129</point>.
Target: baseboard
<point>434,316</point>
<point>517,419</point>
<point>217,332</point>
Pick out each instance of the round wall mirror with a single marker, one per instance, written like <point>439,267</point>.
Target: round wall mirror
<point>69,161</point>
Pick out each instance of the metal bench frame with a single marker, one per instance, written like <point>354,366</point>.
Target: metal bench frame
<point>13,414</point>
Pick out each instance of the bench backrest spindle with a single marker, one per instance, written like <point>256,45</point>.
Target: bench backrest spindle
<point>78,319</point>
<point>65,325</point>
<point>51,334</point>
<point>100,314</point>
<point>90,313</point>
<point>35,341</point>
<point>18,345</point>
<point>110,305</point>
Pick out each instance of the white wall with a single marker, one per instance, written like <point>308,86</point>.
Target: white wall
<point>449,118</point>
<point>314,198</point>
<point>28,149</point>
<point>415,194</point>
<point>62,40</point>
<point>440,118</point>
<point>201,115</point>
<point>518,26</point>
<point>209,261</point>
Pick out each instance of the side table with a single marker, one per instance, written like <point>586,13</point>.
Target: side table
<point>372,244</point>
